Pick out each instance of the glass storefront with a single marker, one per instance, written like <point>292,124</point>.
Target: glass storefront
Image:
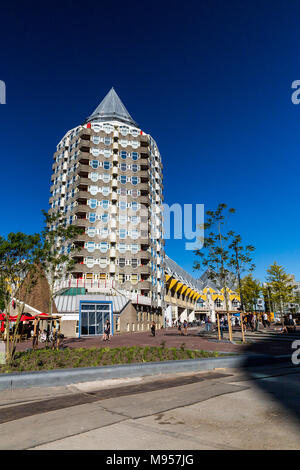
<point>93,316</point>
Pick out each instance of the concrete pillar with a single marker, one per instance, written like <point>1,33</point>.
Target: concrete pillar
<point>213,316</point>
<point>184,315</point>
<point>191,316</point>
<point>168,315</point>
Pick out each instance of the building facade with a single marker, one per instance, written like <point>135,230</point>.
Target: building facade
<point>107,178</point>
<point>187,298</point>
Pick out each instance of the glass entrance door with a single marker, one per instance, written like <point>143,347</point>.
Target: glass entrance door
<point>93,317</point>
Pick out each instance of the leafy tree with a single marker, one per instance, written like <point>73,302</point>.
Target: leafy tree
<point>18,274</point>
<point>240,260</point>
<point>250,290</point>
<point>280,286</point>
<point>57,249</point>
<point>216,254</point>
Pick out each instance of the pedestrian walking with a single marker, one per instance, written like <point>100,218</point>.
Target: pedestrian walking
<point>221,326</point>
<point>106,335</point>
<point>265,320</point>
<point>251,321</point>
<point>153,328</point>
<point>185,325</point>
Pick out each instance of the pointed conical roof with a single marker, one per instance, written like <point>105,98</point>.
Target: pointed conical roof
<point>111,108</point>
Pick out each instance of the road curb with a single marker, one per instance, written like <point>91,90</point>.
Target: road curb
<point>58,377</point>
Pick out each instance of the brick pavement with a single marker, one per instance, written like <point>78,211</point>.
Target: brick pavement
<point>172,338</point>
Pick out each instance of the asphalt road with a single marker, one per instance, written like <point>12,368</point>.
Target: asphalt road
<point>224,409</point>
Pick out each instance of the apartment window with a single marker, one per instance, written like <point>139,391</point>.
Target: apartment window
<point>218,303</point>
<point>91,231</point>
<point>122,191</point>
<point>90,246</point>
<point>104,232</point>
<point>134,168</point>
<point>92,203</point>
<point>134,193</point>
<point>122,219</point>
<point>94,164</point>
<point>105,191</point>
<point>121,262</point>
<point>123,179</point>
<point>92,217</point>
<point>106,165</point>
<point>106,178</point>
<point>104,218</point>
<point>96,139</point>
<point>122,247</point>
<point>90,262</point>
<point>134,278</point>
<point>103,247</point>
<point>103,262</point>
<point>123,154</point>
<point>135,234</point>
<point>134,180</point>
<point>108,128</point>
<point>135,219</point>
<point>134,263</point>
<point>122,205</point>
<point>107,153</point>
<point>95,152</point>
<point>123,166</point>
<point>134,155</point>
<point>122,233</point>
<point>94,177</point>
<point>107,140</point>
<point>122,278</point>
<point>134,248</point>
<point>124,130</point>
<point>93,190</point>
<point>105,204</point>
<point>134,206</point>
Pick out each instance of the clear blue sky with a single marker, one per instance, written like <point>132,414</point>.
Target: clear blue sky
<point>209,80</point>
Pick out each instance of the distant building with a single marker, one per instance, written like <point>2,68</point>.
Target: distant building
<point>192,299</point>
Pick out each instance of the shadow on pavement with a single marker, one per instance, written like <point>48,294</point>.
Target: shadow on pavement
<point>275,374</point>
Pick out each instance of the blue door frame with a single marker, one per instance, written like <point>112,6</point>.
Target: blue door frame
<point>97,302</point>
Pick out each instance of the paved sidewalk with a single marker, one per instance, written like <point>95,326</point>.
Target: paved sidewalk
<point>257,409</point>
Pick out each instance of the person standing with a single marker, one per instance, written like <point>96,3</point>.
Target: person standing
<point>153,328</point>
<point>221,326</point>
<point>185,324</point>
<point>207,323</point>
<point>107,331</point>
